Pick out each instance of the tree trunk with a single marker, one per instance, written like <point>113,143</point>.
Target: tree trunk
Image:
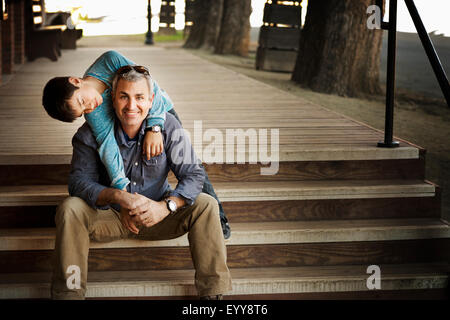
<point>338,54</point>
<point>206,24</point>
<point>234,36</point>
<point>222,26</point>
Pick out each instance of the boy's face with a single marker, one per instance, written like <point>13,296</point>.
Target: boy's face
<point>84,99</point>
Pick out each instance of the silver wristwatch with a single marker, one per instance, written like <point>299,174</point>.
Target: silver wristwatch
<point>156,129</point>
<point>171,205</point>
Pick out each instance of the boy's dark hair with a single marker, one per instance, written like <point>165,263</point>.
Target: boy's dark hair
<point>54,99</point>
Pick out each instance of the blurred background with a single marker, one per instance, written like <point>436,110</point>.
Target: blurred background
<point>113,17</point>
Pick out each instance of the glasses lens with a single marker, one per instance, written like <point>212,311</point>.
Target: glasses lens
<point>141,69</point>
<point>124,69</point>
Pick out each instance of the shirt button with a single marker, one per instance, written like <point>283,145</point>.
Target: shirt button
<point>134,183</point>
<point>136,164</point>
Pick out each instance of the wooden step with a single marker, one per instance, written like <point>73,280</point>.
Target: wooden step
<point>40,213</point>
<point>43,195</point>
<point>266,211</point>
<point>329,189</point>
<point>331,209</point>
<point>245,281</point>
<point>58,154</point>
<point>243,256</point>
<point>263,233</point>
<point>13,175</point>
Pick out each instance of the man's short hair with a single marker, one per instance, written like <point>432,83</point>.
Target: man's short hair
<point>55,98</point>
<point>132,74</point>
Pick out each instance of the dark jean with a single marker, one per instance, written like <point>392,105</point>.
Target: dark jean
<point>207,186</point>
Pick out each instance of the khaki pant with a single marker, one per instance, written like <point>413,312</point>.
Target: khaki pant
<point>77,223</point>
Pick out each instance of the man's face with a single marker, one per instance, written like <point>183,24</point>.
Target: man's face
<point>84,99</point>
<point>132,101</point>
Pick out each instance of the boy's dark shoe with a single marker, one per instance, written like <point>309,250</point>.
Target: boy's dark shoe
<point>226,229</point>
<point>225,225</point>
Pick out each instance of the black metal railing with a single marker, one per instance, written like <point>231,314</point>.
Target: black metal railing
<point>427,44</point>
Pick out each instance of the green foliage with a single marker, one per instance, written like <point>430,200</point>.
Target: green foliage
<point>164,37</point>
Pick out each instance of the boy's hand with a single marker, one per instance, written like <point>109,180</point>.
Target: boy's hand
<point>153,144</point>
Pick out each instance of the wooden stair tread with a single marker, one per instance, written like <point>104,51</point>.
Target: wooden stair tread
<point>322,152</point>
<point>259,233</point>
<point>321,189</point>
<point>305,272</point>
<point>245,281</point>
<point>243,191</point>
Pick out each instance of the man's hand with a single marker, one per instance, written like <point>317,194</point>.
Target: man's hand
<point>153,144</point>
<point>150,213</point>
<point>127,220</point>
<point>131,201</point>
<point>136,209</point>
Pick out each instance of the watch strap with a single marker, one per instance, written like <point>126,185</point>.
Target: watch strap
<point>151,129</point>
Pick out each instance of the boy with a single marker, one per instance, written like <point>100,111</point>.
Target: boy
<point>67,98</point>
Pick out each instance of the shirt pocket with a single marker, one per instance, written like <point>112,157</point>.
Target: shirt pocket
<point>155,167</point>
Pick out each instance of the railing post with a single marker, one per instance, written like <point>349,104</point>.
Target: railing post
<point>390,78</point>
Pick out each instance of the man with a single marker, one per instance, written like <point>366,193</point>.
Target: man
<point>66,98</point>
<point>150,210</point>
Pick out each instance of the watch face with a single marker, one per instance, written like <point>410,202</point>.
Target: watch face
<point>156,128</point>
<point>172,205</point>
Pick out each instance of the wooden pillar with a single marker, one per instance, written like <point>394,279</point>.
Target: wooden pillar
<point>8,41</point>
<point>19,31</point>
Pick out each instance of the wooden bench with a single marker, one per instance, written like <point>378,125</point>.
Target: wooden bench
<point>279,37</point>
<point>69,35</point>
<point>41,40</point>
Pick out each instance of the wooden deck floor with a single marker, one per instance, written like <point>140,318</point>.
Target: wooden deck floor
<point>222,99</point>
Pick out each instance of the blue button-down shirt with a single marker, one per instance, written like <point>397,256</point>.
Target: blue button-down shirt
<point>88,176</point>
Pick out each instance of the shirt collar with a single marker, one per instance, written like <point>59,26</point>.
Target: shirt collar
<point>120,134</point>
